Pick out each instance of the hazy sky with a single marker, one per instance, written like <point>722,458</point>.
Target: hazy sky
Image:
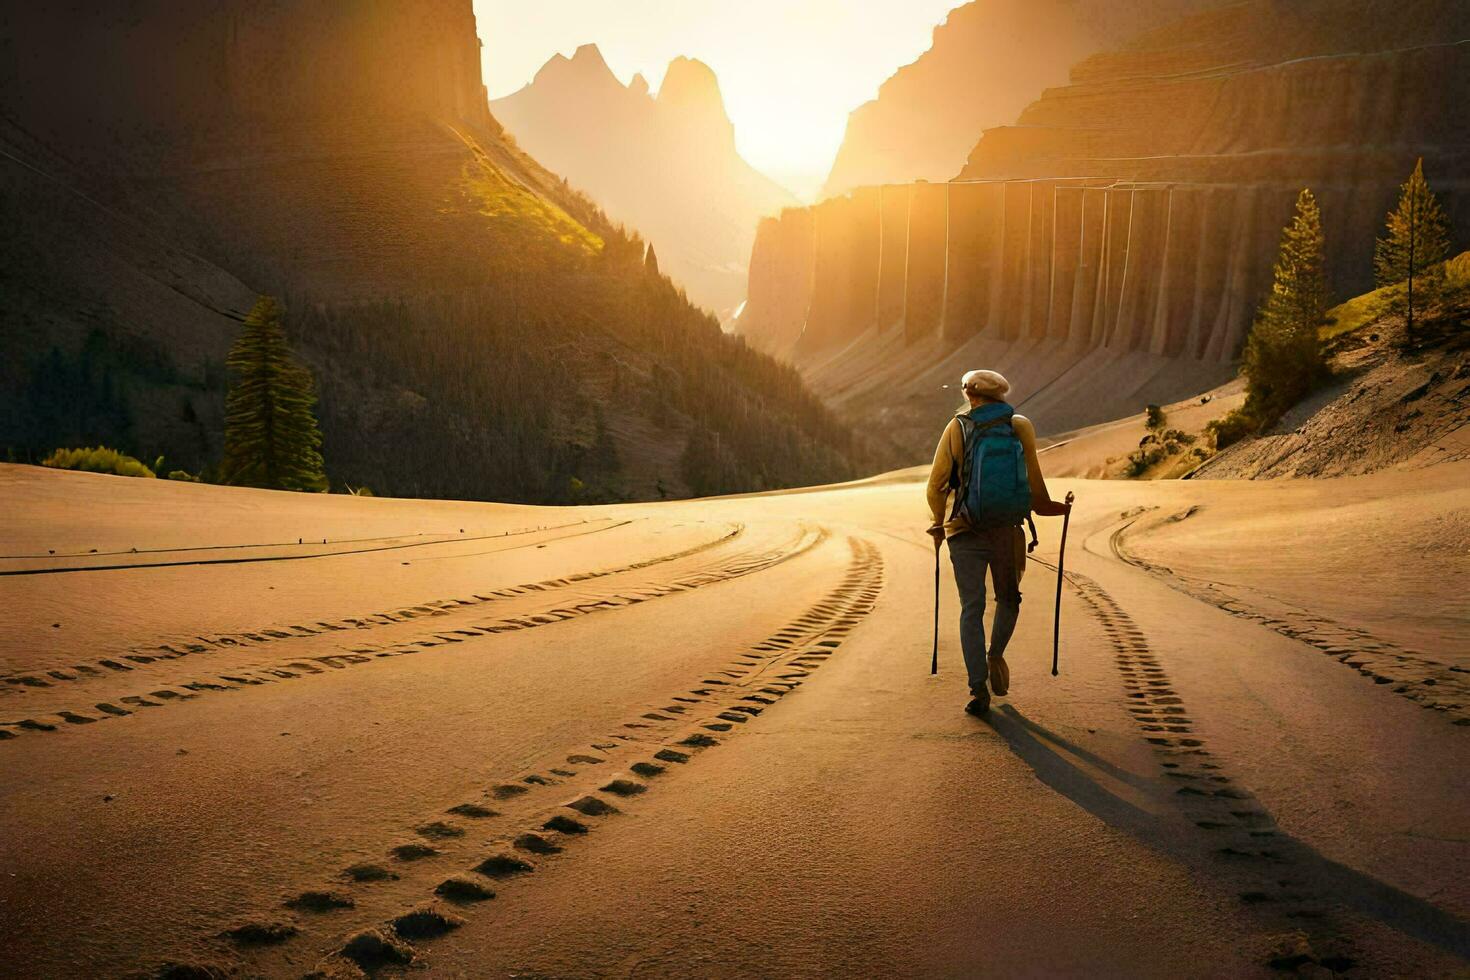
<point>791,70</point>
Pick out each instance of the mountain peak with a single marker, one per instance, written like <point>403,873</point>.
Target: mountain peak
<point>691,91</point>
<point>668,166</point>
<point>589,55</point>
<point>690,83</point>
<point>585,66</point>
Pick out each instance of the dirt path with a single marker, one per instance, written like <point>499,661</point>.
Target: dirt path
<point>703,740</point>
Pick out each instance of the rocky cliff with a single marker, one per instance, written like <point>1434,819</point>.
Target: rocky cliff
<point>1112,245</point>
<point>201,72</point>
<point>477,328</point>
<point>987,62</point>
<point>665,165</point>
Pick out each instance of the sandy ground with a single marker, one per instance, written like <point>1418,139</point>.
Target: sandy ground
<point>1100,452</point>
<point>292,734</point>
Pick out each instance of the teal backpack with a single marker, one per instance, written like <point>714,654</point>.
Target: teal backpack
<point>993,489</point>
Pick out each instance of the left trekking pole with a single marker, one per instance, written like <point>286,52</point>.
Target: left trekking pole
<point>934,664</point>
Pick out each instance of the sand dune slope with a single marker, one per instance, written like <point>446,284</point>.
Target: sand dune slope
<point>292,734</point>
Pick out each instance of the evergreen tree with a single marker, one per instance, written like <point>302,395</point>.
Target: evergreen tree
<point>650,261</point>
<point>271,434</point>
<point>1414,248</point>
<point>1283,355</point>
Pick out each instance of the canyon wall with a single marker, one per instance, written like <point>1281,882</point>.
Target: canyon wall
<point>986,62</point>
<point>1132,215</point>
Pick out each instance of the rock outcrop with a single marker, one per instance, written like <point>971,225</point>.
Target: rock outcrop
<point>665,165</point>
<point>1127,222</point>
<point>203,72</point>
<point>987,62</point>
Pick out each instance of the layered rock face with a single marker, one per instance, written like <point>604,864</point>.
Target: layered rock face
<point>987,62</point>
<point>664,165</point>
<point>1130,217</point>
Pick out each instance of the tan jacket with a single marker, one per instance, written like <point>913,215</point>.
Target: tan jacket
<point>947,457</point>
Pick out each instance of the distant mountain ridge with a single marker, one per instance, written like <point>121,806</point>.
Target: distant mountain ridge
<point>477,329</point>
<point>988,61</point>
<point>665,165</point>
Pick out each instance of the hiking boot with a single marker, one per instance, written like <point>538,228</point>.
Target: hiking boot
<point>979,704</point>
<point>1000,676</point>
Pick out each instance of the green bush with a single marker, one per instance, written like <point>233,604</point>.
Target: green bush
<point>98,459</point>
<point>1231,429</point>
<point>182,476</point>
<point>1142,459</point>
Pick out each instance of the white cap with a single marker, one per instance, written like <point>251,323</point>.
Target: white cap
<point>985,384</point>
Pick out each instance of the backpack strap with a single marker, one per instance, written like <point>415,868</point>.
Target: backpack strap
<point>959,472</point>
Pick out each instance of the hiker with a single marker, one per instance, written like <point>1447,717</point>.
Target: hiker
<point>987,458</point>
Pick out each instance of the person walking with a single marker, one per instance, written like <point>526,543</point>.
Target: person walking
<point>987,460</point>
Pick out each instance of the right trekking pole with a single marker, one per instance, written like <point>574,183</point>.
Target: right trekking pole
<point>1056,623</point>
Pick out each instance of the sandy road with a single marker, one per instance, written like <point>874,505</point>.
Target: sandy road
<point>1196,795</point>
<point>705,740</point>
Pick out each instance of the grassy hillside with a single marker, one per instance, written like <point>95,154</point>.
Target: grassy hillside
<point>1385,405</point>
<point>1388,403</point>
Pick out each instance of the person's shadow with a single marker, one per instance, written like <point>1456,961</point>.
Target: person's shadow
<point>1175,837</point>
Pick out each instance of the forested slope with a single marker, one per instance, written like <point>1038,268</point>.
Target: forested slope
<point>477,328</point>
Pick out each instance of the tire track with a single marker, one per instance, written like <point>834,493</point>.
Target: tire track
<point>1273,873</point>
<point>379,914</point>
<point>140,657</point>
<point>1428,683</point>
<point>559,610</point>
<point>257,559</point>
<point>443,538</point>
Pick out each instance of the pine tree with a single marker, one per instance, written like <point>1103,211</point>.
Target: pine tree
<point>1283,356</point>
<point>1415,246</point>
<point>271,434</point>
<point>650,261</point>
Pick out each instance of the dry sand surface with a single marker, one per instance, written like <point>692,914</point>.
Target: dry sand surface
<point>1100,452</point>
<point>271,734</point>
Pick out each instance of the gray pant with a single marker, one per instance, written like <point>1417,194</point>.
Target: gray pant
<point>971,552</point>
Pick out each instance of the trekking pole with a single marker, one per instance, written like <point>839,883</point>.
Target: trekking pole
<point>1056,623</point>
<point>934,664</point>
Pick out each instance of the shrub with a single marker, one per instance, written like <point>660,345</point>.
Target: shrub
<point>98,459</point>
<point>1231,429</point>
<point>1140,460</point>
<point>182,476</point>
